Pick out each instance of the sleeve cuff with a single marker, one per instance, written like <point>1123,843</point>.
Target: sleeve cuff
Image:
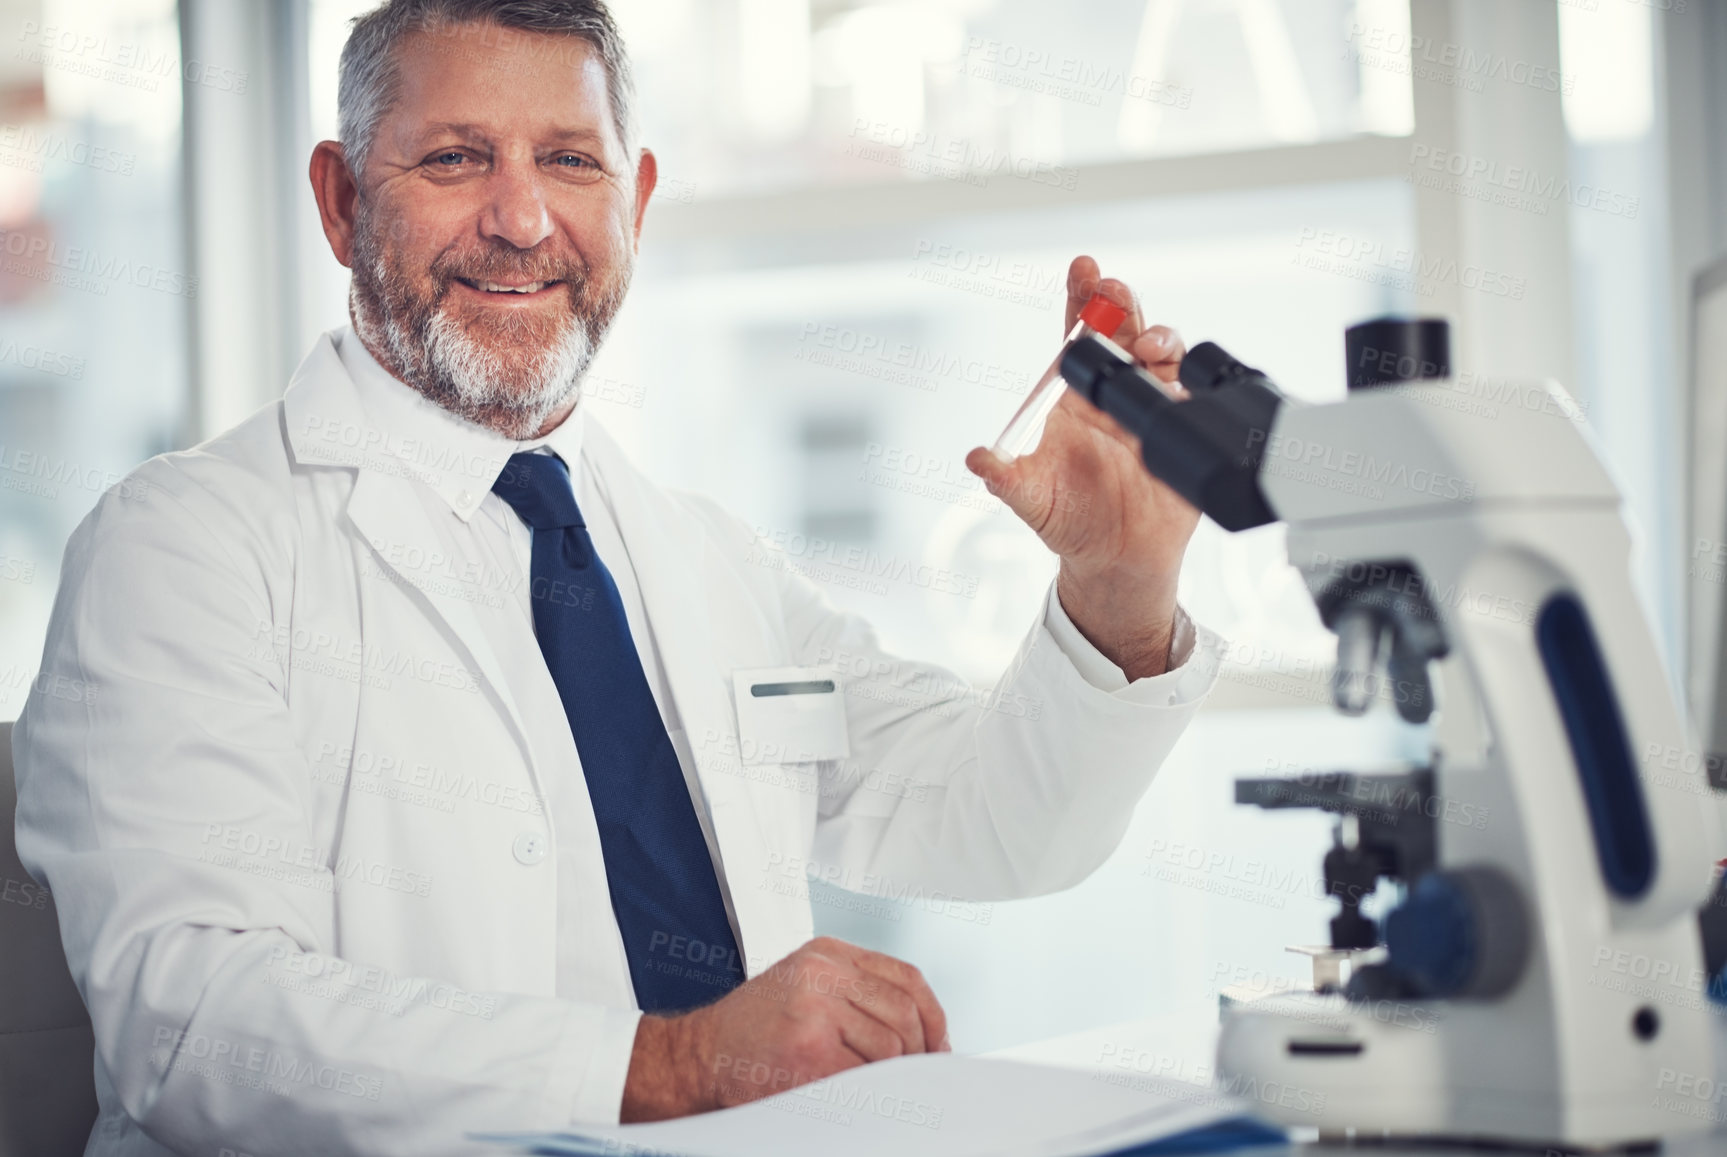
<point>1191,669</point>
<point>596,1088</point>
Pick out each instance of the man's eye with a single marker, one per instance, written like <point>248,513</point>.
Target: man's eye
<point>577,162</point>
<point>449,160</point>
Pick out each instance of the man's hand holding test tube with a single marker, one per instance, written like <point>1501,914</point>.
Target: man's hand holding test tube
<point>1119,532</point>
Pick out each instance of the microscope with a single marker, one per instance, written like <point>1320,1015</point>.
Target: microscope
<point>1475,570</point>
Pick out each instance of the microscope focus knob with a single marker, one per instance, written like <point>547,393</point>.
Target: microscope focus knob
<point>1462,932</point>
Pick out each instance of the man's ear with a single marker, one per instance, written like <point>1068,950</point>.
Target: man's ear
<point>647,176</point>
<point>338,197</point>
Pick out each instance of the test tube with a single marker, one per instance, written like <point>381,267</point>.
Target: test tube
<point>1099,316</point>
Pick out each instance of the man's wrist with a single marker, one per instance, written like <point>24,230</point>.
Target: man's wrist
<point>1130,619</point>
<point>668,1071</point>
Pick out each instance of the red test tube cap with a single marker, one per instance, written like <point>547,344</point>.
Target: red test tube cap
<point>1103,315</point>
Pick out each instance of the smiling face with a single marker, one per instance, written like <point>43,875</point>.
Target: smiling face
<point>493,232</point>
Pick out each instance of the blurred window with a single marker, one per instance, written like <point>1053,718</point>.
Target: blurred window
<point>853,268</point>
<point>94,284</point>
<point>755,95</point>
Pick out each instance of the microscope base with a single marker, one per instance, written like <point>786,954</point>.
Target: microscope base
<point>1399,1068</point>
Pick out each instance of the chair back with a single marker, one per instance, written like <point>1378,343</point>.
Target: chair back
<point>47,1051</point>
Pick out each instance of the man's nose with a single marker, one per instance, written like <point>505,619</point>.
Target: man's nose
<point>516,208</point>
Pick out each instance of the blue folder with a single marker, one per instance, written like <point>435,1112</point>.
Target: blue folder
<point>1240,1133</point>
<point>1223,1137</point>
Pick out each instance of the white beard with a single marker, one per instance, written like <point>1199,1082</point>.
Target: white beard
<point>483,381</point>
<point>513,396</point>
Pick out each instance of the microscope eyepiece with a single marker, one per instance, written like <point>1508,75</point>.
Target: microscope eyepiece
<point>1208,365</point>
<point>1206,448</point>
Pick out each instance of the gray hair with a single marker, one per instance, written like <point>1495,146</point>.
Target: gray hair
<point>369,82</point>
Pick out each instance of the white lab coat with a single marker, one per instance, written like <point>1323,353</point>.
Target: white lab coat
<point>281,960</point>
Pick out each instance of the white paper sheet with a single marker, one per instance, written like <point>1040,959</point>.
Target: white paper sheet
<point>923,1106</point>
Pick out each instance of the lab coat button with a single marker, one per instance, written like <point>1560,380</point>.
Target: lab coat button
<point>465,498</point>
<point>530,848</point>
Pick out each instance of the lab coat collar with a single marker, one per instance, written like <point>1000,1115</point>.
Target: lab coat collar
<point>328,424</point>
<point>380,423</point>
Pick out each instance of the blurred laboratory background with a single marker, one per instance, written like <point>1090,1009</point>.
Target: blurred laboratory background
<point>853,267</point>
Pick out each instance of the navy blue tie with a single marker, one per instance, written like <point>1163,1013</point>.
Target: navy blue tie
<point>664,891</point>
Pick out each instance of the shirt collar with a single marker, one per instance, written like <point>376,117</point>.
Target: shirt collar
<point>457,458</point>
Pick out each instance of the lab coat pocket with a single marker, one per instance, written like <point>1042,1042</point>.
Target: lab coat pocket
<point>790,715</point>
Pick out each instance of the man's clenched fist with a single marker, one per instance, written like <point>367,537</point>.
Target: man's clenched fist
<point>827,1007</point>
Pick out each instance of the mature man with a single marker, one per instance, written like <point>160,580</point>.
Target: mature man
<point>443,774</point>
